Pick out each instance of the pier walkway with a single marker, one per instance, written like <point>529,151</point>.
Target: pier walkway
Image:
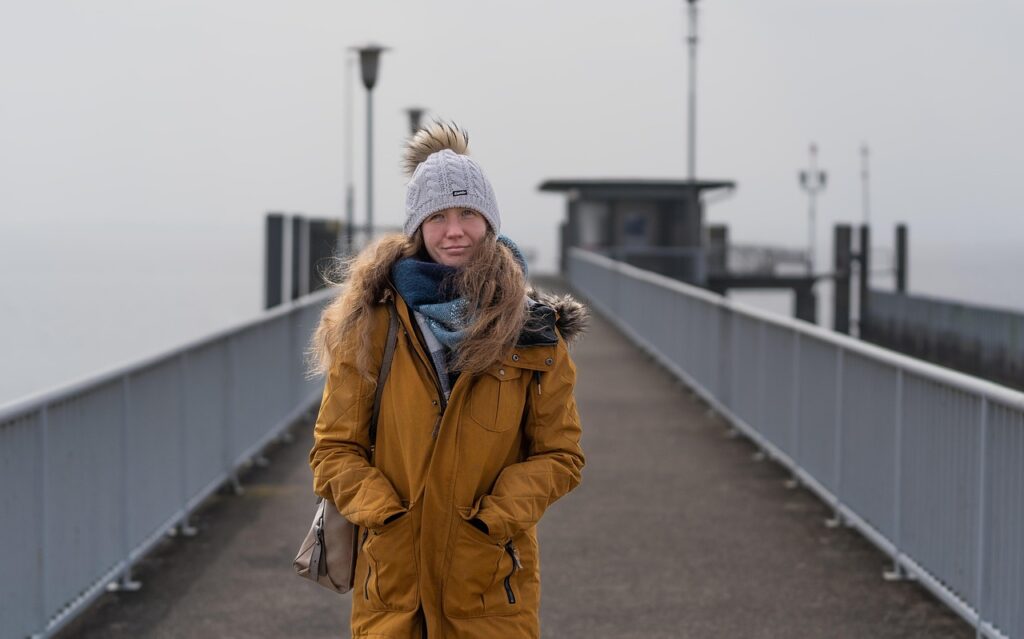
<point>678,530</point>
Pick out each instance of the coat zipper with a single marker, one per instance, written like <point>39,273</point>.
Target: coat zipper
<point>516,565</point>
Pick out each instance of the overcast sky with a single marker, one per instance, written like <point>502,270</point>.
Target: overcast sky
<point>222,110</point>
<point>142,142</point>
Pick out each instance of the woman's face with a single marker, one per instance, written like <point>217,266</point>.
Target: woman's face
<point>453,235</point>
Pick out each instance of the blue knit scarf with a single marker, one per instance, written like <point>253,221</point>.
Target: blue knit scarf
<point>428,289</point>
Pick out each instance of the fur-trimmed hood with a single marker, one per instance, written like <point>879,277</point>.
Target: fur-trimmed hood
<point>569,315</point>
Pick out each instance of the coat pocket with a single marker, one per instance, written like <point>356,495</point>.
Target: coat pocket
<point>482,576</point>
<point>391,577</point>
<point>496,401</point>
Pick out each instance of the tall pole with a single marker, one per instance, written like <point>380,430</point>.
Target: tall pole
<point>700,269</point>
<point>691,155</point>
<point>865,184</point>
<point>369,63</point>
<point>369,165</point>
<point>350,200</point>
<point>812,181</point>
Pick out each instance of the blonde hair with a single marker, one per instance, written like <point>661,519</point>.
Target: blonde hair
<point>492,283</point>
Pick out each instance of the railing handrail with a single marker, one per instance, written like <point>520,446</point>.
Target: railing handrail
<point>986,388</point>
<point>63,390</point>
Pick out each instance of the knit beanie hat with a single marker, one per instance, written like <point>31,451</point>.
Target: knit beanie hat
<point>442,175</point>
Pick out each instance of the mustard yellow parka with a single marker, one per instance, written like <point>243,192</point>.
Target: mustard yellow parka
<point>502,449</point>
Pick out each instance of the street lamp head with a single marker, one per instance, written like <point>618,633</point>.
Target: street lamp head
<point>369,61</point>
<point>415,116</point>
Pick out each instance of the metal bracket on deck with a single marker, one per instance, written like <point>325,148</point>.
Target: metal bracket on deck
<point>897,573</point>
<point>183,529</point>
<point>236,485</point>
<point>125,583</point>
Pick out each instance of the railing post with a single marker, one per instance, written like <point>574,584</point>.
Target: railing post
<point>725,352</point>
<point>42,500</point>
<point>183,528</point>
<point>837,515</point>
<point>794,480</point>
<point>125,582</point>
<point>294,374</point>
<point>733,431</point>
<point>231,414</point>
<point>979,584</point>
<point>759,392</point>
<point>897,571</point>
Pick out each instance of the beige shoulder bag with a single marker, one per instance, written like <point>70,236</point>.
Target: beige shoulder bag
<point>328,553</point>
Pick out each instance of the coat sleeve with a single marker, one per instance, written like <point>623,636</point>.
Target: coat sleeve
<point>339,458</point>
<point>554,462</point>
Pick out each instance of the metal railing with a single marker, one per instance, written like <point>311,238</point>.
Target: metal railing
<point>94,474</point>
<point>927,463</point>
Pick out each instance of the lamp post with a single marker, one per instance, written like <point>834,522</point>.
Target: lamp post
<point>350,202</point>
<point>369,62</point>
<point>691,142</point>
<point>415,115</point>
<point>812,181</point>
<point>691,41</point>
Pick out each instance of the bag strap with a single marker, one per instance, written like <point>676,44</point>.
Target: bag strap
<point>385,368</point>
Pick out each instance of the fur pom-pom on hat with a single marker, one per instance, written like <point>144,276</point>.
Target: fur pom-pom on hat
<point>442,176</point>
<point>434,137</point>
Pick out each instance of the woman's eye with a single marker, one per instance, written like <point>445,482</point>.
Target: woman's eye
<point>468,213</point>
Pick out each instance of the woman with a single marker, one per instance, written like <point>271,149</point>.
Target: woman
<point>478,431</point>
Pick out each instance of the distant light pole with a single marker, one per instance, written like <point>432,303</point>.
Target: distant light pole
<point>369,61</point>
<point>691,40</point>
<point>691,142</point>
<point>415,115</point>
<point>813,182</point>
<point>350,200</point>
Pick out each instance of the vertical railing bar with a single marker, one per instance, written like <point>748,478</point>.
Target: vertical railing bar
<point>43,501</point>
<point>759,394</point>
<point>795,410</point>
<point>293,392</point>
<point>837,445</point>
<point>733,375</point>
<point>726,372</point>
<point>979,582</point>
<point>184,528</point>
<point>182,428</point>
<point>897,571</point>
<point>231,412</point>
<point>125,402</point>
<point>125,581</point>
